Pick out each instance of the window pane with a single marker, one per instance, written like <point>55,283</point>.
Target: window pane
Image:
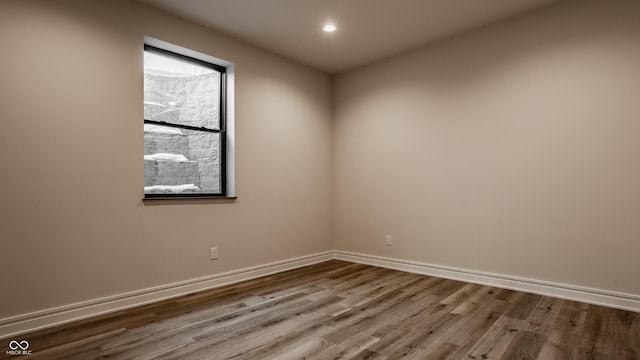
<point>179,161</point>
<point>180,92</point>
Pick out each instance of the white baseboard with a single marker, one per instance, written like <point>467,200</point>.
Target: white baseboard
<point>564,291</point>
<point>24,323</point>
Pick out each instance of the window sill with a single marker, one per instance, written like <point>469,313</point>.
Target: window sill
<point>189,200</point>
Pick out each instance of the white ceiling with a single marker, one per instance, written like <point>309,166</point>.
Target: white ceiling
<point>368,30</point>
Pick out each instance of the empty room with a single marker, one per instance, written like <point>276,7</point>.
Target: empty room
<point>320,179</point>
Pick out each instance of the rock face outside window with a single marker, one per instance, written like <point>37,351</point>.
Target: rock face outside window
<point>179,160</point>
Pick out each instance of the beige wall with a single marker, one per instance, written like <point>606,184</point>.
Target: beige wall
<point>512,149</point>
<point>72,221</point>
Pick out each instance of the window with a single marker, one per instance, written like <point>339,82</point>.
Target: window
<point>184,126</point>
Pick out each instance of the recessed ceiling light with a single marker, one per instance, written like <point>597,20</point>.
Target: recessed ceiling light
<point>329,28</point>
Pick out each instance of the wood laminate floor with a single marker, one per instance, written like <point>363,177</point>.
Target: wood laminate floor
<point>340,310</point>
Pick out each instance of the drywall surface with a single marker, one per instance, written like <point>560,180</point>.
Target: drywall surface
<point>72,220</point>
<point>513,149</point>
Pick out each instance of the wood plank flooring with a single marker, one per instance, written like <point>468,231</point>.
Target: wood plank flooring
<point>341,310</point>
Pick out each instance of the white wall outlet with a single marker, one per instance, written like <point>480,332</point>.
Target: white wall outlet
<point>388,240</point>
<point>214,253</point>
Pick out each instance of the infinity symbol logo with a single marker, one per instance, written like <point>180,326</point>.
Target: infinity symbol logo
<point>22,345</point>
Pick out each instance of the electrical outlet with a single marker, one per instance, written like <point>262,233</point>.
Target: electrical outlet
<point>214,253</point>
<point>388,240</point>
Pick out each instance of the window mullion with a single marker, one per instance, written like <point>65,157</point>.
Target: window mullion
<point>181,126</point>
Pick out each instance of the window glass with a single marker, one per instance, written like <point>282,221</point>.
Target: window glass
<point>183,130</point>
